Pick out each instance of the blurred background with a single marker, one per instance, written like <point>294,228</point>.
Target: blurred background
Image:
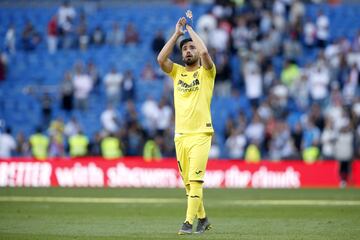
<point>80,78</point>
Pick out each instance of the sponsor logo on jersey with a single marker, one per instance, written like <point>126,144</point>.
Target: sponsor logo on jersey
<point>185,87</point>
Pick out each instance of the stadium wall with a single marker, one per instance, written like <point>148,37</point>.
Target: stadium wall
<point>135,172</point>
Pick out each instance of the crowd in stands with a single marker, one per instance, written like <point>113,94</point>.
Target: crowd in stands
<point>323,91</point>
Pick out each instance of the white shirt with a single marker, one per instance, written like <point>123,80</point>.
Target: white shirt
<point>10,36</point>
<point>322,24</point>
<point>319,81</point>
<point>255,131</point>
<point>206,21</point>
<point>235,145</point>
<point>150,110</point>
<point>82,85</point>
<point>219,39</point>
<point>112,83</point>
<point>7,144</point>
<point>253,84</point>
<point>108,120</point>
<point>328,138</point>
<point>309,32</point>
<point>71,128</point>
<point>64,13</point>
<point>164,117</point>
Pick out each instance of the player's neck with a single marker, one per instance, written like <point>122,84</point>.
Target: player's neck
<point>191,68</point>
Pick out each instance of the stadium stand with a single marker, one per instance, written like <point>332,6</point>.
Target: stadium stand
<point>34,76</point>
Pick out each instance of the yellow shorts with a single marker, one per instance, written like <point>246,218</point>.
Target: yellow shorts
<point>192,152</point>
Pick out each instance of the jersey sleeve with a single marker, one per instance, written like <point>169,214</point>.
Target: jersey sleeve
<point>211,73</point>
<point>174,71</point>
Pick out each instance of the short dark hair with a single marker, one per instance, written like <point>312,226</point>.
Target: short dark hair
<point>186,40</point>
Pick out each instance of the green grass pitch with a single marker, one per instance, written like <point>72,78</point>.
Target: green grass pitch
<point>252,214</point>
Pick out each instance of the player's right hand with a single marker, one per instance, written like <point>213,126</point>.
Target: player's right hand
<point>180,26</point>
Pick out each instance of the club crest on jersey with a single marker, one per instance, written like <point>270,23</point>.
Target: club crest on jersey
<point>196,74</point>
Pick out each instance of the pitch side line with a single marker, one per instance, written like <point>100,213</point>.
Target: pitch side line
<point>87,200</point>
<point>178,200</point>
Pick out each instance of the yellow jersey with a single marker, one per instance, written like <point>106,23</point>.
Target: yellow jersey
<point>192,98</point>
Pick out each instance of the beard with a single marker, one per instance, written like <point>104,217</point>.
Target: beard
<point>189,61</point>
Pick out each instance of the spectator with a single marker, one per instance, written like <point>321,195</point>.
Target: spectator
<point>152,150</point>
<point>46,102</point>
<point>52,34</point>
<point>235,144</point>
<point>150,111</point>
<point>78,145</point>
<point>214,149</point>
<point>95,145</point>
<point>253,83</point>
<point>110,120</point>
<point>290,73</point>
<point>292,48</point>
<point>281,144</point>
<point>344,152</point>
<point>22,145</point>
<point>300,90</point>
<point>116,36</point>
<point>219,39</point>
<point>7,144</point>
<point>56,133</point>
<point>164,116</point>
<point>148,72</point>
<point>134,139</point>
<point>111,147</point>
<point>311,135</point>
<point>3,66</point>
<point>56,148</point>
<point>98,36</point>
<point>30,37</point>
<point>66,16</point>
<point>67,93</point>
<point>112,82</point>
<point>205,25</point>
<point>297,136</point>
<point>131,115</point>
<point>94,75</point>
<point>309,34</point>
<point>328,138</point>
<point>128,90</point>
<point>10,39</point>
<point>83,85</point>
<point>72,128</point>
<point>322,29</point>
<point>158,42</point>
<point>82,33</point>
<point>297,12</point>
<point>350,89</point>
<point>223,74</point>
<point>319,81</point>
<point>131,35</point>
<point>39,144</point>
<point>252,153</point>
<point>255,130</point>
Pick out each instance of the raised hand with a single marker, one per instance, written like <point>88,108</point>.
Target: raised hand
<point>180,25</point>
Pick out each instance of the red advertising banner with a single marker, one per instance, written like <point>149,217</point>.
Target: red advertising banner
<point>134,172</point>
<point>355,175</point>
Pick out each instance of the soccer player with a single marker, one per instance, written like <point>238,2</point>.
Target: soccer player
<point>193,88</point>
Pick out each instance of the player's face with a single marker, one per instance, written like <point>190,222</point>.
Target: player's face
<point>190,54</point>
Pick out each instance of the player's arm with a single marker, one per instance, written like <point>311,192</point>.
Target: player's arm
<point>163,58</point>
<point>206,60</point>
